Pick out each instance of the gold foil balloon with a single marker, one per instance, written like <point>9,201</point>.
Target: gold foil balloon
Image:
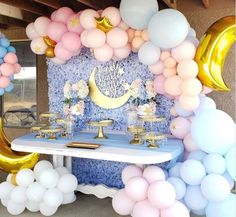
<point>50,52</point>
<point>103,24</point>
<point>212,51</point>
<point>11,161</point>
<point>49,42</point>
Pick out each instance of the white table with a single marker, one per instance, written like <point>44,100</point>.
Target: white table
<point>116,148</point>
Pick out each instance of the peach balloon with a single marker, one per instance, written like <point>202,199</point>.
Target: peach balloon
<point>173,112</point>
<point>63,14</point>
<point>17,67</point>
<point>71,41</point>
<point>159,84</point>
<point>10,58</point>
<point>137,43</point>
<point>144,208</point>
<point>189,144</point>
<point>178,209</point>
<point>7,69</point>
<point>112,14</point>
<point>172,85</point>
<point>117,38</point>
<point>180,127</point>
<point>104,53</point>
<point>145,35</point>
<point>31,31</point>
<point>137,33</point>
<point>153,174</point>
<point>189,103</point>
<point>170,62</point>
<point>123,52</point>
<point>169,72</point>
<point>130,172</point>
<point>156,68</point>
<point>87,20</point>
<point>62,53</point>
<point>191,86</point>
<point>83,38</point>
<point>186,50</point>
<point>123,25</point>
<point>56,30</point>
<point>130,34</point>
<point>164,55</point>
<point>95,38</point>
<point>4,82</point>
<point>187,68</point>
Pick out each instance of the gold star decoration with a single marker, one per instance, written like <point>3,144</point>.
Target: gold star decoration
<point>74,21</point>
<point>103,24</point>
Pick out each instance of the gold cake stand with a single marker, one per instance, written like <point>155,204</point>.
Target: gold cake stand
<point>137,131</point>
<point>152,139</point>
<point>100,125</point>
<point>37,129</point>
<point>52,132</point>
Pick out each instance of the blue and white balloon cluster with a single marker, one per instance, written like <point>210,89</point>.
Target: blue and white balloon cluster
<point>8,65</point>
<point>44,189</point>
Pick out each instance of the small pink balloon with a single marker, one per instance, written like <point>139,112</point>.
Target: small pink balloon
<point>38,46</point>
<point>53,15</point>
<point>71,41</point>
<point>178,209</point>
<point>189,103</point>
<point>161,194</point>
<point>17,67</point>
<point>104,53</point>
<point>56,30</point>
<point>122,204</point>
<point>130,34</point>
<point>206,90</point>
<point>117,38</point>
<point>62,53</point>
<point>123,25</point>
<point>95,38</point>
<point>180,127</point>
<point>172,85</point>
<point>73,24</point>
<point>10,58</point>
<point>153,173</point>
<point>41,25</point>
<point>87,18</point>
<point>191,86</point>
<point>145,35</point>
<point>123,52</point>
<point>189,144</point>
<point>83,38</point>
<point>57,61</point>
<point>169,72</point>
<point>63,14</point>
<point>7,69</point>
<point>130,172</point>
<point>4,82</point>
<point>186,50</point>
<point>113,15</point>
<point>187,68</point>
<point>144,208</point>
<point>159,84</point>
<point>137,42</point>
<point>31,31</point>
<point>136,188</point>
<point>156,68</point>
<point>165,55</point>
<point>170,62</point>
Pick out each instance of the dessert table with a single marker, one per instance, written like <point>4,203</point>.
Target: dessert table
<point>115,148</point>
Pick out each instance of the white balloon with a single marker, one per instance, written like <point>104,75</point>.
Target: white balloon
<point>49,178</point>
<point>5,189</point>
<point>18,195</point>
<point>25,177</point>
<point>9,177</point>
<point>67,183</point>
<point>4,201</point>
<point>32,206</point>
<point>41,166</point>
<point>53,197</point>
<point>69,198</point>
<point>192,32</point>
<point>197,155</point>
<point>205,103</point>
<point>214,163</point>
<point>179,185</point>
<point>35,192</point>
<point>47,210</point>
<point>193,40</point>
<point>62,171</point>
<point>175,170</point>
<point>229,179</point>
<point>15,208</point>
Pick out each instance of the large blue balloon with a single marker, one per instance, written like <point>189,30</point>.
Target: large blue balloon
<point>137,13</point>
<point>3,51</point>
<point>230,158</point>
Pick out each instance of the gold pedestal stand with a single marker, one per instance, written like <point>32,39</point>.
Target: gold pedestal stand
<point>37,129</point>
<point>100,125</point>
<point>51,132</point>
<point>137,131</point>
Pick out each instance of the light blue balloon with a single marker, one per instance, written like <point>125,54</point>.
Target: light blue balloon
<point>180,111</point>
<point>226,208</point>
<point>174,171</point>
<point>137,13</point>
<point>200,212</point>
<point>9,88</point>
<point>197,155</point>
<point>230,158</point>
<point>149,53</point>
<point>213,131</point>
<point>205,103</point>
<point>1,91</point>
<point>179,185</point>
<point>1,61</point>
<point>229,179</point>
<point>3,52</point>
<point>214,163</point>
<point>11,49</point>
<point>4,42</point>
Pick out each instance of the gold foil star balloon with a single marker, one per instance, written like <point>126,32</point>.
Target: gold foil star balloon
<point>103,24</point>
<point>49,42</point>
<point>50,52</point>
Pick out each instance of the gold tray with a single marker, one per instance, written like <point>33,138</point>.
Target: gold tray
<point>83,145</point>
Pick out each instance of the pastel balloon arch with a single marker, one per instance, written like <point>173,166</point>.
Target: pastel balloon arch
<point>167,44</point>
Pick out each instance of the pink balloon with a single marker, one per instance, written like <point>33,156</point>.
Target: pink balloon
<point>187,68</point>
<point>38,46</point>
<point>170,62</point>
<point>73,24</point>
<point>62,53</point>
<point>112,14</point>
<point>87,18</point>
<point>172,85</point>
<point>4,82</point>
<point>189,103</point>
<point>189,144</point>
<point>156,68</point>
<point>117,38</point>
<point>169,72</point>
<point>31,31</point>
<point>130,172</point>
<point>53,15</point>
<point>123,25</point>
<point>136,188</point>
<point>180,127</point>
<point>63,14</point>
<point>56,30</point>
<point>83,38</point>
<point>145,209</point>
<point>153,173</point>
<point>191,87</point>
<point>178,209</point>
<point>186,50</point>
<point>122,204</point>
<point>165,55</point>
<point>57,61</point>
<point>123,52</point>
<point>17,67</point>
<point>71,41</point>
<point>7,69</point>
<point>41,25</point>
<point>104,53</point>
<point>10,58</point>
<point>159,84</point>
<point>95,38</point>
<point>161,194</point>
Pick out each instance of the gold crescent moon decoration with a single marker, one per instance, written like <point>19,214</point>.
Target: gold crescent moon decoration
<point>212,51</point>
<point>11,161</point>
<point>104,101</point>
